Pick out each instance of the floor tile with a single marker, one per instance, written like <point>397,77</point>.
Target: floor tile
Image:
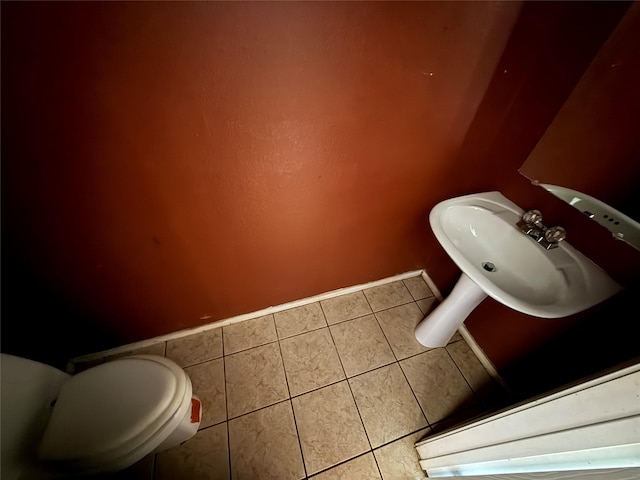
<point>439,386</point>
<point>196,348</point>
<point>399,460</point>
<point>207,380</point>
<point>476,375</point>
<point>361,345</point>
<point>361,468</point>
<point>345,307</point>
<point>264,444</point>
<point>358,379</point>
<point>310,361</point>
<point>386,404</point>
<point>388,295</point>
<point>456,338</point>
<point>399,325</point>
<point>155,349</point>
<point>418,287</point>
<point>248,334</point>
<point>205,456</point>
<point>329,427</point>
<point>427,305</point>
<point>299,320</point>
<point>254,379</point>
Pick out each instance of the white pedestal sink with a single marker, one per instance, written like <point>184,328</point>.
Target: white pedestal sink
<point>480,235</point>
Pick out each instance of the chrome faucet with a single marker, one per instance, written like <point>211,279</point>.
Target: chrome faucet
<point>547,237</point>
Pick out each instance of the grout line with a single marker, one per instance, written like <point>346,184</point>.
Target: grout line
<point>226,403</point>
<point>212,425</point>
<point>338,353</point>
<point>366,433</point>
<point>284,369</point>
<point>293,413</point>
<point>432,286</point>
<point>340,463</point>
<point>484,360</point>
<point>200,362</point>
<point>360,416</point>
<point>466,335</point>
<point>459,368</point>
<point>354,397</point>
<point>428,428</point>
<point>410,293</point>
<point>429,425</point>
<point>346,379</point>
<point>251,348</point>
<point>247,316</point>
<point>295,423</point>
<point>343,380</point>
<point>207,428</point>
<point>349,319</point>
<point>254,411</point>
<point>312,331</point>
<point>375,460</point>
<point>303,333</point>
<point>385,336</point>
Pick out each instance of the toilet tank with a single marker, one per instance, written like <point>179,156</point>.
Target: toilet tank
<point>27,390</point>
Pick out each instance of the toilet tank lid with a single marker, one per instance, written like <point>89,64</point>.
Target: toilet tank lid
<point>114,406</point>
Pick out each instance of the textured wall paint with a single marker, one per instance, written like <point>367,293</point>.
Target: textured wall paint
<point>168,162</point>
<point>165,163</point>
<point>512,118</point>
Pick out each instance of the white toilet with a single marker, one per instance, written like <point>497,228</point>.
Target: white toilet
<point>100,420</point>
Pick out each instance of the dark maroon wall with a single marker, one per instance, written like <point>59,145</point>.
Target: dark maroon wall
<point>170,164</point>
<point>166,165</point>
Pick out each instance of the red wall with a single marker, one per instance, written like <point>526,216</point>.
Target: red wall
<point>595,136</point>
<point>169,164</point>
<point>165,165</point>
<point>530,353</point>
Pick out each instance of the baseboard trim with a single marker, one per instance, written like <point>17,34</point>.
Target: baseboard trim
<point>484,360</point>
<point>248,316</point>
<point>432,285</point>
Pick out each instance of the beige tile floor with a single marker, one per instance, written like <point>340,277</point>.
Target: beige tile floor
<point>334,389</point>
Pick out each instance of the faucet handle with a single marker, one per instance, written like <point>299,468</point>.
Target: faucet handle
<point>532,217</point>
<point>555,234</point>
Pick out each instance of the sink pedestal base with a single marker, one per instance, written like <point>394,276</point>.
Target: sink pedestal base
<point>439,326</point>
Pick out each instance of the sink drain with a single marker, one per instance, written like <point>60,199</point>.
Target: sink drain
<point>489,267</point>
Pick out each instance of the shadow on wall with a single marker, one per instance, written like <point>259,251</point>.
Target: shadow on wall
<point>166,165</point>
<point>38,322</point>
<point>600,342</point>
<point>532,81</point>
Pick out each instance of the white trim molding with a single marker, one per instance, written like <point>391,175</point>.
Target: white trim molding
<point>484,360</point>
<point>592,425</point>
<point>248,316</point>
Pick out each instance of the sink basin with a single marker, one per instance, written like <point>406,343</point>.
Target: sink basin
<point>480,235</point>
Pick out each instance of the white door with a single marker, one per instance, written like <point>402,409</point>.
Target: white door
<point>594,425</point>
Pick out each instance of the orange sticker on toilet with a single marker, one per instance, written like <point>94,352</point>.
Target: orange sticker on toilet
<point>195,410</point>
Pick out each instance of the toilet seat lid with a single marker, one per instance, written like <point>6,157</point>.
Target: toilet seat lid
<point>113,408</point>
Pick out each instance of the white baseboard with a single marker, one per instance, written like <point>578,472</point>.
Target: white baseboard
<point>488,365</point>
<point>431,284</point>
<point>247,316</point>
<point>484,360</point>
